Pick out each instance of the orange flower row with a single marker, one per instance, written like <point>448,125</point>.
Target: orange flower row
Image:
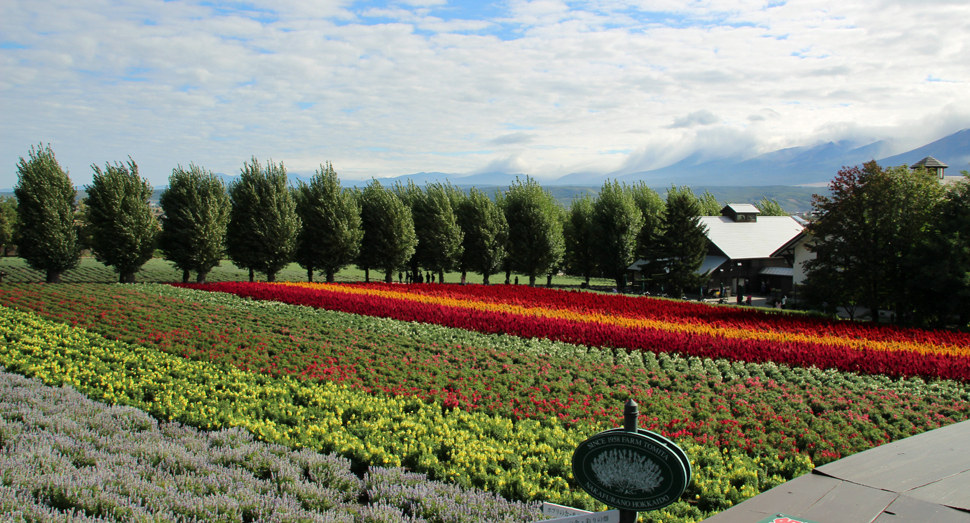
<point>639,323</point>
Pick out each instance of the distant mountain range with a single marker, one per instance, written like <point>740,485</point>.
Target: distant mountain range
<point>792,166</point>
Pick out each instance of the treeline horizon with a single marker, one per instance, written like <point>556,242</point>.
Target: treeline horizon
<point>876,234</point>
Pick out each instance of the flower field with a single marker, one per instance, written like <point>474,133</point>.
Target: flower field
<point>64,450</point>
<point>471,406</point>
<point>642,324</point>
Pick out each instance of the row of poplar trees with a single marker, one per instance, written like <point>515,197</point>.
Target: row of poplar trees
<point>262,224</point>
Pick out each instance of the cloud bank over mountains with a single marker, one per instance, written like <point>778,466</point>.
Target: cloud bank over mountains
<point>542,87</point>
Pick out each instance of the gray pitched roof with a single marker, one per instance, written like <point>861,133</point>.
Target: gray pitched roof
<point>747,240</point>
<point>929,161</point>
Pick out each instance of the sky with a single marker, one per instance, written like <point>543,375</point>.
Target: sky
<point>544,87</point>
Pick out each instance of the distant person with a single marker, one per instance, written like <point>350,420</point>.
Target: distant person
<point>740,299</point>
<point>749,301</point>
<point>516,280</point>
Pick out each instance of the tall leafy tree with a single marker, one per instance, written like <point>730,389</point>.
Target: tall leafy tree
<point>435,225</point>
<point>616,224</point>
<point>47,236</point>
<point>770,207</point>
<point>8,224</point>
<point>124,231</point>
<point>196,211</point>
<point>536,244</point>
<point>708,203</point>
<point>330,237</point>
<point>874,220</point>
<point>938,290</point>
<point>263,224</point>
<point>580,254</point>
<point>652,209</point>
<point>486,234</point>
<point>683,243</point>
<point>389,239</point>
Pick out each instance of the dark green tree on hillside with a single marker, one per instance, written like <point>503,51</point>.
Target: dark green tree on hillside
<point>536,244</point>
<point>873,221</point>
<point>616,224</point>
<point>389,238</point>
<point>486,234</point>
<point>330,237</point>
<point>196,211</point>
<point>580,254</point>
<point>124,231</point>
<point>47,236</point>
<point>263,224</point>
<point>683,243</point>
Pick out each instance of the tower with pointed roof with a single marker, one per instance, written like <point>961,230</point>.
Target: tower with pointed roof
<point>931,164</point>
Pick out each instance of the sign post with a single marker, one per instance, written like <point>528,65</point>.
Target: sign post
<point>631,416</point>
<point>631,469</point>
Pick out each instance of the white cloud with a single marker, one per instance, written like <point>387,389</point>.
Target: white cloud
<point>549,85</point>
<point>702,117</point>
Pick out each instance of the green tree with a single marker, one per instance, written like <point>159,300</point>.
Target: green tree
<point>652,209</point>
<point>46,232</point>
<point>196,211</point>
<point>874,220</point>
<point>435,225</point>
<point>616,224</point>
<point>938,289</point>
<point>124,231</point>
<point>770,208</point>
<point>580,254</point>
<point>261,235</point>
<point>709,204</point>
<point>536,244</point>
<point>330,237</point>
<point>8,224</point>
<point>486,234</point>
<point>683,243</point>
<point>389,238</point>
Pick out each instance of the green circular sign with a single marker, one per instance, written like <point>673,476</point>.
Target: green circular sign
<point>630,470</point>
<point>670,445</point>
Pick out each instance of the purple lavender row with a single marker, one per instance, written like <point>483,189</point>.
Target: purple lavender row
<point>66,458</point>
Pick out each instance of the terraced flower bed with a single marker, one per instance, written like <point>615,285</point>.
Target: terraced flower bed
<point>746,426</point>
<point>641,324</point>
<point>62,451</point>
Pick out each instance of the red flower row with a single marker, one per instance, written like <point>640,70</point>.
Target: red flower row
<point>795,353</point>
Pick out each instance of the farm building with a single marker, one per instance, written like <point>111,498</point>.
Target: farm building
<point>747,249</point>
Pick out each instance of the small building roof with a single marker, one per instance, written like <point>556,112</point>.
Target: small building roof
<point>710,263</point>
<point>777,271</point>
<point>760,239</point>
<point>929,161</point>
<point>742,208</point>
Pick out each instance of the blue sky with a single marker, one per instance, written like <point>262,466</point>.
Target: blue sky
<point>541,87</point>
